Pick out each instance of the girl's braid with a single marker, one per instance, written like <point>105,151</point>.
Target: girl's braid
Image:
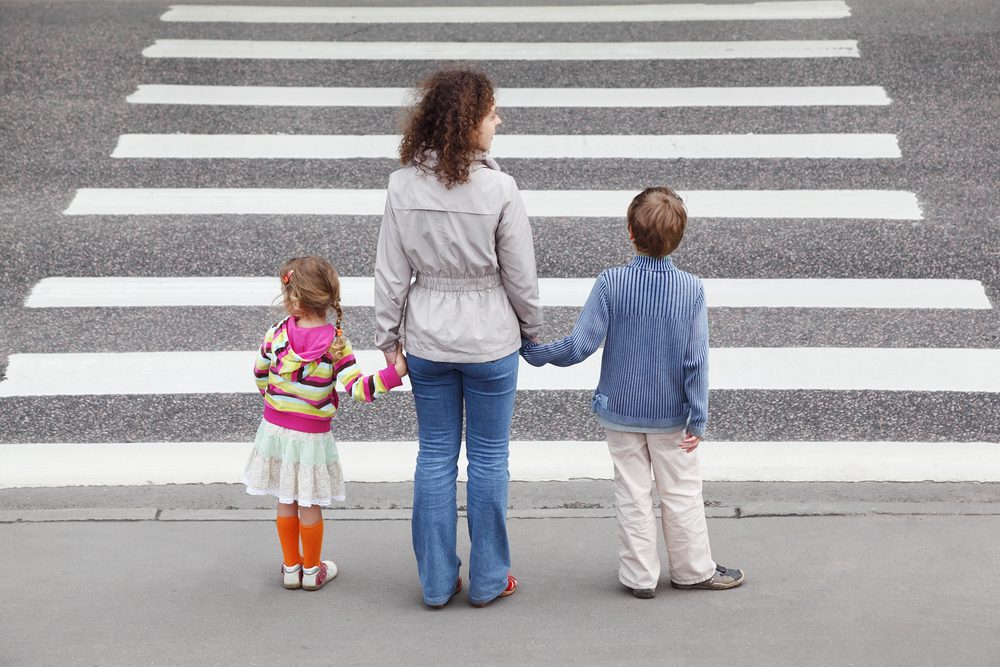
<point>339,340</point>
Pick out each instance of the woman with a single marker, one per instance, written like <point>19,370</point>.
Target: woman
<point>456,227</point>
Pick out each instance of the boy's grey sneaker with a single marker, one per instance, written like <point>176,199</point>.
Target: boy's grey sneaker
<point>722,579</point>
<point>644,593</point>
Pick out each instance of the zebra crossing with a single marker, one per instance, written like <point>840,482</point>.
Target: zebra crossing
<point>796,204</point>
<point>648,98</point>
<point>841,370</point>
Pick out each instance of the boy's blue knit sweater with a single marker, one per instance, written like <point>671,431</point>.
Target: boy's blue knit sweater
<point>653,322</point>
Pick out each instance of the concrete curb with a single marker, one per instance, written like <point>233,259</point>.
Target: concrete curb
<point>79,514</point>
<point>751,510</point>
<point>747,511</point>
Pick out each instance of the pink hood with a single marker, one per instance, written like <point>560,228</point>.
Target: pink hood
<point>309,343</point>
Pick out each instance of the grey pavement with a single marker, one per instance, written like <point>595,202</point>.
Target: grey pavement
<point>852,590</point>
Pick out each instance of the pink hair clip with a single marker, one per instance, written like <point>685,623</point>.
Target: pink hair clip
<point>285,279</point>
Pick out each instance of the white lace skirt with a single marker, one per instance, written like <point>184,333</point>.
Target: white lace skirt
<point>293,466</point>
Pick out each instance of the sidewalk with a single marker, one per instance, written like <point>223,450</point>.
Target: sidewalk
<point>172,587</point>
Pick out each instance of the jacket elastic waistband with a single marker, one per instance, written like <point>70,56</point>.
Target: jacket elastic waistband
<point>470,284</point>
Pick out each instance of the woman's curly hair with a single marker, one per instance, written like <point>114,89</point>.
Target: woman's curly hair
<point>449,108</point>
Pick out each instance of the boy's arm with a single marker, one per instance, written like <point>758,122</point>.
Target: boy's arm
<point>262,364</point>
<point>588,333</point>
<point>696,368</point>
<point>364,388</point>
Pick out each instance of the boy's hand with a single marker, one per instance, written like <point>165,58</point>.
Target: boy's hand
<point>690,443</point>
<point>400,362</point>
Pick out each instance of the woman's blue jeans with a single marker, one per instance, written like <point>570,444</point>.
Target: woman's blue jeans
<point>439,391</point>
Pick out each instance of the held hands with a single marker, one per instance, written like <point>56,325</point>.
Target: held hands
<point>398,360</point>
<point>690,443</point>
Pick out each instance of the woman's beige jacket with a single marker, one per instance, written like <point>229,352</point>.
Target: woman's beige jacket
<point>459,263</point>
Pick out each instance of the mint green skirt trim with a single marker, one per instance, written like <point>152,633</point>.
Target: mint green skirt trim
<point>288,446</point>
<point>294,467</point>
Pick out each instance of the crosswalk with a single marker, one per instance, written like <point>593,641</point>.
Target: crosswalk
<point>794,204</point>
<point>568,98</point>
<point>761,11</point>
<point>530,146</point>
<point>358,291</point>
<point>127,368</point>
<point>742,368</point>
<point>498,51</point>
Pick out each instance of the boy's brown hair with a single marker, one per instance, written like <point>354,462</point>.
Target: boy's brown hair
<point>656,219</point>
<point>310,286</point>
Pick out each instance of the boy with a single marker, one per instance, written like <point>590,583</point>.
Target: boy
<point>652,398</point>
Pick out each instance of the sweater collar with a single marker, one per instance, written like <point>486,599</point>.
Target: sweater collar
<point>647,263</point>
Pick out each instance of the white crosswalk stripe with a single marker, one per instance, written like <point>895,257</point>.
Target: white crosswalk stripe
<point>735,96</point>
<point>763,368</point>
<point>587,146</point>
<point>798,204</point>
<point>757,11</point>
<point>136,463</point>
<point>119,292</point>
<point>275,50</point>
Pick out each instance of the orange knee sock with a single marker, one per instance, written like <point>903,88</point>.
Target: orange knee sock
<point>312,543</point>
<point>288,535</point>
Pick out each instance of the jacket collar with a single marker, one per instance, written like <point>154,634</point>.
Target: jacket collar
<point>428,161</point>
<point>647,263</point>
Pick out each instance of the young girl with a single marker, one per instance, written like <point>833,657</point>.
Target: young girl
<point>294,456</point>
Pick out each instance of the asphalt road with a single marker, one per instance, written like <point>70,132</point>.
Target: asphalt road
<point>69,66</point>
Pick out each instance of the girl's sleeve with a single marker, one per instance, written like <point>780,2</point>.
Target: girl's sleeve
<point>262,364</point>
<point>696,368</point>
<point>364,388</point>
<point>589,332</point>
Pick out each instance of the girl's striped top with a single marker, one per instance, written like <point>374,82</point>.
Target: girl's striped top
<point>653,322</point>
<point>299,389</point>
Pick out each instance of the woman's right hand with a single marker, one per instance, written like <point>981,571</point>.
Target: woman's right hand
<point>399,363</point>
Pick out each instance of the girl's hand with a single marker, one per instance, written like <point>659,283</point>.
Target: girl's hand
<point>690,443</point>
<point>400,362</point>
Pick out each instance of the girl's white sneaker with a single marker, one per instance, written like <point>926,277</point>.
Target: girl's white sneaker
<point>314,578</point>
<point>292,576</point>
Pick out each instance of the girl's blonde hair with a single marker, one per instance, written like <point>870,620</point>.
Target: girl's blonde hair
<point>309,285</point>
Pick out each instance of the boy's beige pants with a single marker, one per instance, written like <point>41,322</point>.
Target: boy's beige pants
<point>682,510</point>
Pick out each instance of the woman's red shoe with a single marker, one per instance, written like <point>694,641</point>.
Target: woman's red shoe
<point>511,588</point>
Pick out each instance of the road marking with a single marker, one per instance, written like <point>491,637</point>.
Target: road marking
<point>158,292</point>
<point>291,50</point>
<point>757,11</point>
<point>798,368</point>
<point>142,463</point>
<point>572,146</point>
<point>296,96</point>
<point>810,204</point>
